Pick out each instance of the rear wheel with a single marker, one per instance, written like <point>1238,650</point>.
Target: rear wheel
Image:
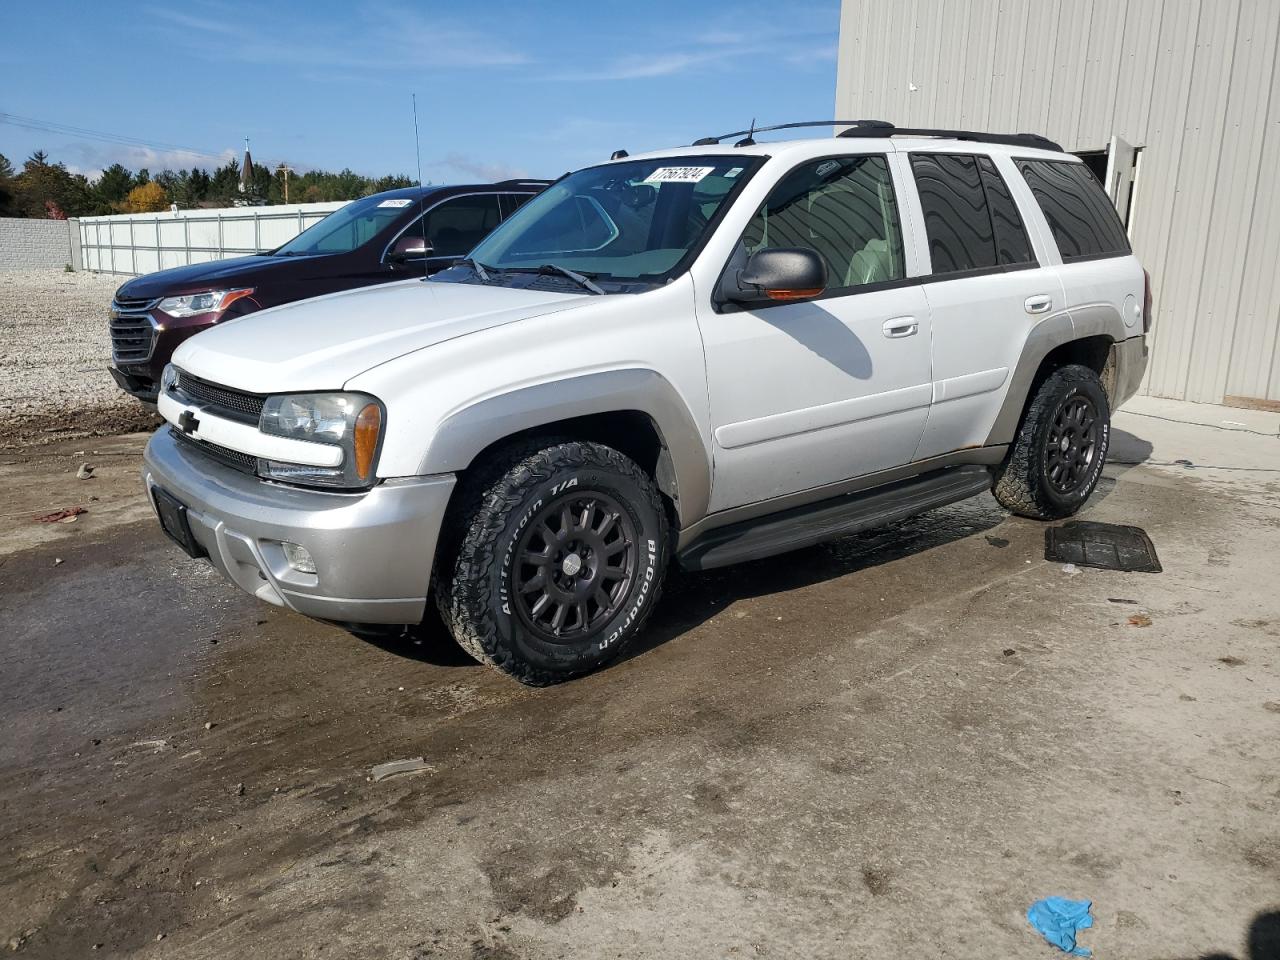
<point>1057,457</point>
<point>558,556</point>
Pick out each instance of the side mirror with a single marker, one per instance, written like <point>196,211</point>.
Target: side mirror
<point>783,273</point>
<point>409,247</point>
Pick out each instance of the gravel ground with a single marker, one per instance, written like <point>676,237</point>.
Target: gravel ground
<point>54,354</point>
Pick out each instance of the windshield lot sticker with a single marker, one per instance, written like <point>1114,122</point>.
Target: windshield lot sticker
<point>733,173</point>
<point>678,174</point>
<point>404,202</point>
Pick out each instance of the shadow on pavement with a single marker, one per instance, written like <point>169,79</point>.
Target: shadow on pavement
<point>691,598</point>
<point>1264,940</point>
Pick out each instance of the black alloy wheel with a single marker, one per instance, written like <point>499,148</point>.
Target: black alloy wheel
<point>1060,448</point>
<point>1071,445</point>
<point>574,566</point>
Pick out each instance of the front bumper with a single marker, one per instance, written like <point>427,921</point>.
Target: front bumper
<point>373,551</point>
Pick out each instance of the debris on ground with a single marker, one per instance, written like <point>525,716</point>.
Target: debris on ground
<point>85,472</point>
<point>1058,920</point>
<point>1070,569</point>
<point>394,767</point>
<point>1107,546</point>
<point>17,942</point>
<point>1119,600</point>
<point>1139,620</point>
<point>58,516</point>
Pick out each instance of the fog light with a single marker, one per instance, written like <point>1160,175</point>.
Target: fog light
<point>298,557</point>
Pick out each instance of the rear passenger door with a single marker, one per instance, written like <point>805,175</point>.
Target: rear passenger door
<point>986,289</point>
<point>1102,280</point>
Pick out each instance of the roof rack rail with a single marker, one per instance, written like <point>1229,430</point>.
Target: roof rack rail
<point>749,134</point>
<point>1033,140</point>
<point>520,181</point>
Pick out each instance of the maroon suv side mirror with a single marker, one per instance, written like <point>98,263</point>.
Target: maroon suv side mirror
<point>409,247</point>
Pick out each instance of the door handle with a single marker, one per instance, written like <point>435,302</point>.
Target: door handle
<point>1040,303</point>
<point>900,327</point>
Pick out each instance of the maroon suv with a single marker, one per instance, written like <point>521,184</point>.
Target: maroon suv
<point>388,236</point>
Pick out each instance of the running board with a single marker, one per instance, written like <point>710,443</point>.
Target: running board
<point>818,522</point>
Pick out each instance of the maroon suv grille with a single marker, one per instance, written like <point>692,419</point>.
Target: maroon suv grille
<point>219,400</point>
<point>132,332</point>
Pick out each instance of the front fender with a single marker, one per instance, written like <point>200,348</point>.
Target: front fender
<point>462,435</point>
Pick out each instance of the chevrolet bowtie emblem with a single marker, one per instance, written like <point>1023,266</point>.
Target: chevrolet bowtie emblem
<point>188,423</point>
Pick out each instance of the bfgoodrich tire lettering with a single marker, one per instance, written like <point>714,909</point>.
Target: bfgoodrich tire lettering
<point>557,553</point>
<point>1060,449</point>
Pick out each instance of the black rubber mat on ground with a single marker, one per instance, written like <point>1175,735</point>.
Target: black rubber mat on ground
<point>1105,545</point>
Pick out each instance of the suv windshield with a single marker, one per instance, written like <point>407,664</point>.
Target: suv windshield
<point>348,227</point>
<point>639,220</point>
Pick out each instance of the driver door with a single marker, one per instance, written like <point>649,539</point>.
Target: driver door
<point>808,394</point>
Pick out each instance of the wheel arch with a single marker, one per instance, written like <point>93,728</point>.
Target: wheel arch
<point>636,411</point>
<point>1054,343</point>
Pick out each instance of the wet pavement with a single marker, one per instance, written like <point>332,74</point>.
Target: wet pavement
<point>886,746</point>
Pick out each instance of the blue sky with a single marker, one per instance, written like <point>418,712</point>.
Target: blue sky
<point>504,89</point>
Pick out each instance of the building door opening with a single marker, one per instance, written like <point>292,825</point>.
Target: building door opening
<point>1116,169</point>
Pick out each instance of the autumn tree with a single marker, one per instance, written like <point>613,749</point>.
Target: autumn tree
<point>110,189</point>
<point>8,188</point>
<point>147,198</point>
<point>45,189</point>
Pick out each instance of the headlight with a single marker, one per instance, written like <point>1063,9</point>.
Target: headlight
<point>168,378</point>
<point>352,421</point>
<point>213,301</point>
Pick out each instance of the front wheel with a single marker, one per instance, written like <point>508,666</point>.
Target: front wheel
<point>558,557</point>
<point>1057,457</point>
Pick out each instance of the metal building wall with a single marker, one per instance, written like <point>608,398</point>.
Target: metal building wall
<point>1192,82</point>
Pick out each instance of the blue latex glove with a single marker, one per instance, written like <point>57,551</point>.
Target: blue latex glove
<point>1058,919</point>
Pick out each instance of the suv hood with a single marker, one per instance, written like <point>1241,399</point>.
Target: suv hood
<point>199,276</point>
<point>322,343</point>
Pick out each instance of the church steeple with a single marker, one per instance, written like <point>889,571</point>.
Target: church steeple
<point>246,169</point>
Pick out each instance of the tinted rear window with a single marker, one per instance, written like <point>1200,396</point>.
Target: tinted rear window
<point>969,214</point>
<point>1012,245</point>
<point>1081,217</point>
<point>955,212</point>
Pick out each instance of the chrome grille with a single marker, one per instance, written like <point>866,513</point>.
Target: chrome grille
<point>133,332</point>
<point>232,458</point>
<point>220,400</point>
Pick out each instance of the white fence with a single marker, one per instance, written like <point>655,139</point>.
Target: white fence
<point>140,243</point>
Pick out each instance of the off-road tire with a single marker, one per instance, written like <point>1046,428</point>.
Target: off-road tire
<point>1023,482</point>
<point>474,586</point>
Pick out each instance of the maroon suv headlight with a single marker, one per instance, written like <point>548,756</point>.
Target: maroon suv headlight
<point>211,301</point>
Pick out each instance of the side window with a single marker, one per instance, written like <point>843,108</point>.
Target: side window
<point>457,225</point>
<point>842,207</point>
<point>1012,245</point>
<point>955,212</point>
<point>511,202</point>
<point>1083,221</point>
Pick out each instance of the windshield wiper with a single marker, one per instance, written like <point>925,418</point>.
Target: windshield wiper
<point>580,279</point>
<point>475,265</point>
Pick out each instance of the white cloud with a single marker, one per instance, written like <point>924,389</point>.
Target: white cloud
<point>474,169</point>
<point>803,39</point>
<point>389,37</point>
<point>91,158</point>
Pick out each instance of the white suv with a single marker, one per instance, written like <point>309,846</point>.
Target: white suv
<point>705,355</point>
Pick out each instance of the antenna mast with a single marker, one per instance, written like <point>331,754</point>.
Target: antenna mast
<point>422,203</point>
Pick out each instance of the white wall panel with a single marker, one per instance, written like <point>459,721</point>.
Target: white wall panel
<point>1193,83</point>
